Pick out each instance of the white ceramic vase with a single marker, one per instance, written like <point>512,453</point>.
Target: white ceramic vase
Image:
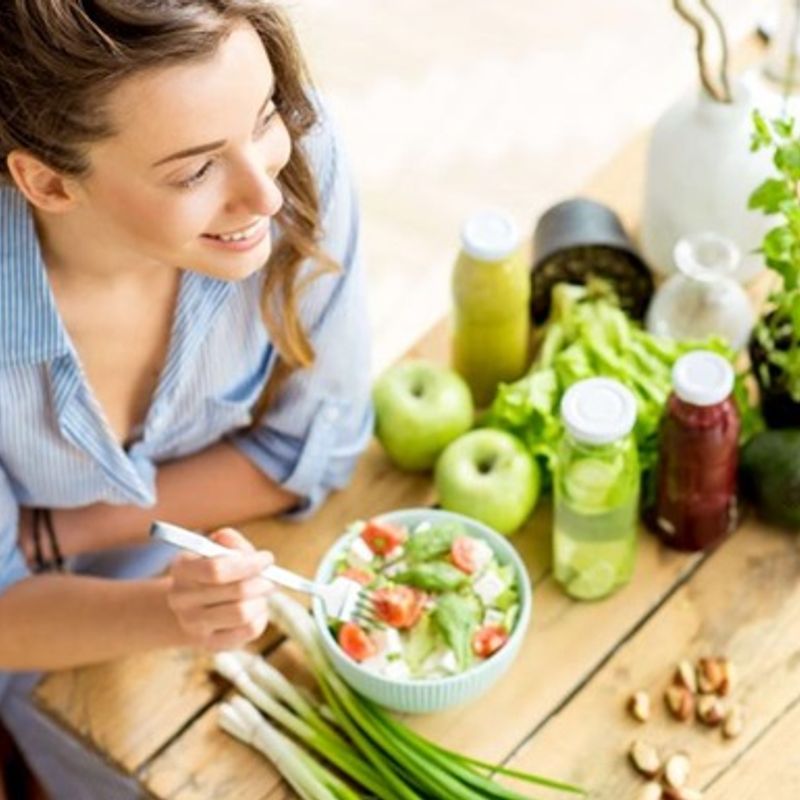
<point>700,174</point>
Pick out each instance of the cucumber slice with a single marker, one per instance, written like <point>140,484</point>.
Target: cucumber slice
<point>594,582</point>
<point>590,482</point>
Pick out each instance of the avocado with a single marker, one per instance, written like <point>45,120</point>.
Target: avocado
<point>770,470</point>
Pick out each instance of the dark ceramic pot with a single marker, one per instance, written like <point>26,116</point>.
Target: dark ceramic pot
<point>580,239</point>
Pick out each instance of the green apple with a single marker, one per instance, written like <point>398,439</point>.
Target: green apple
<point>420,407</point>
<point>489,475</point>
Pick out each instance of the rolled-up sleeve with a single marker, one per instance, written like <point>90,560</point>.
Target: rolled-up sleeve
<point>310,439</point>
<point>12,562</point>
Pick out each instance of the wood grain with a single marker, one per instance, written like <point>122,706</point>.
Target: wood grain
<point>770,767</point>
<point>743,603</point>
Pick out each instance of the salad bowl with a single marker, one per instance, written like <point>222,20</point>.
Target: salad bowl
<point>428,693</point>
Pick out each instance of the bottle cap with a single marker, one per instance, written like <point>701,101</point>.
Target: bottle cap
<point>598,410</point>
<point>490,235</point>
<point>702,378</point>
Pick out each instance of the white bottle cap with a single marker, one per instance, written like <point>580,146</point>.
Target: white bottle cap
<point>598,410</point>
<point>702,378</point>
<point>490,235</point>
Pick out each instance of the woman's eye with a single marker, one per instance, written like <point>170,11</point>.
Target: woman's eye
<point>266,121</point>
<point>198,176</point>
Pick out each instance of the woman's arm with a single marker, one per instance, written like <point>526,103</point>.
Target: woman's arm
<point>60,621</point>
<point>214,487</point>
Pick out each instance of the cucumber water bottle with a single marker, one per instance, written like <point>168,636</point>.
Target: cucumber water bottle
<point>596,490</point>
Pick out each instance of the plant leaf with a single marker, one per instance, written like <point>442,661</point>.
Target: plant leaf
<point>771,195</point>
<point>787,159</point>
<point>762,135</point>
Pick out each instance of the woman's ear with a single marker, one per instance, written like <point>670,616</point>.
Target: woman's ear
<point>44,187</point>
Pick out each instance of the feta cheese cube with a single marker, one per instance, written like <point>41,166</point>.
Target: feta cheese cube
<point>488,587</point>
<point>494,617</point>
<point>397,670</point>
<point>448,662</point>
<point>482,554</point>
<point>388,641</point>
<point>360,552</point>
<point>395,569</point>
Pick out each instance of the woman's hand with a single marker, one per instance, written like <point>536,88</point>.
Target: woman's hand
<point>221,603</point>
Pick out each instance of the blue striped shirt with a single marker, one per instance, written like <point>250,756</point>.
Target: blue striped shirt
<point>57,449</point>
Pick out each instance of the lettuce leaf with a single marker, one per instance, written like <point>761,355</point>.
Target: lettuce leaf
<point>588,335</point>
<point>421,641</point>
<point>458,617</point>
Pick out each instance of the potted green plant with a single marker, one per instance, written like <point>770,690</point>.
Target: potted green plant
<point>775,343</point>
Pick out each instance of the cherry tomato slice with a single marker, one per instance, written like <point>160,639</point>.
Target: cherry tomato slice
<point>489,639</point>
<point>382,538</point>
<point>355,641</point>
<point>362,576</point>
<point>398,606</point>
<point>463,553</point>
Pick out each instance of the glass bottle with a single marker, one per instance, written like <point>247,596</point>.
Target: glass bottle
<point>696,501</point>
<point>491,315</point>
<point>703,299</point>
<point>596,490</point>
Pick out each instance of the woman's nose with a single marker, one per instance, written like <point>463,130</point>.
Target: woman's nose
<point>255,191</point>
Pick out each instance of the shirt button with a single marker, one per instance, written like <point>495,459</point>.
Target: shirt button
<point>331,414</point>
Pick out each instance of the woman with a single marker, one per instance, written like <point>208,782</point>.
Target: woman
<point>182,331</point>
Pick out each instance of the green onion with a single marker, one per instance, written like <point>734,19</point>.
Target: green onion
<point>241,719</point>
<point>368,745</point>
<point>319,737</point>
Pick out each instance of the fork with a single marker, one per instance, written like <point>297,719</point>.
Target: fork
<point>343,599</point>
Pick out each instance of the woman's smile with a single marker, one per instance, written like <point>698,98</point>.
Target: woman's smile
<point>242,239</point>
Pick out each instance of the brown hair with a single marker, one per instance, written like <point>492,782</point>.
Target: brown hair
<point>59,59</point>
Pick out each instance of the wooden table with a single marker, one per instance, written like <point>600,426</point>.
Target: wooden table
<point>561,708</point>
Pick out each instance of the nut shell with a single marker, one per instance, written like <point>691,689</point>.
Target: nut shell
<point>680,702</point>
<point>686,676</point>
<point>645,758</point>
<point>734,723</point>
<point>676,770</point>
<point>639,706</point>
<point>710,710</point>
<point>710,675</point>
<point>651,791</point>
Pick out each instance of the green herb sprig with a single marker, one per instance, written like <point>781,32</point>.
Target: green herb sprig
<point>778,331</point>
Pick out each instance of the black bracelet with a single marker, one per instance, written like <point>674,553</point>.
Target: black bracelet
<point>58,558</point>
<point>42,517</point>
<point>39,564</point>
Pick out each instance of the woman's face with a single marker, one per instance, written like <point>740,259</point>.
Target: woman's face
<point>189,178</point>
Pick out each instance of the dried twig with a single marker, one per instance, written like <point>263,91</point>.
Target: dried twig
<point>723,39</point>
<point>700,49</point>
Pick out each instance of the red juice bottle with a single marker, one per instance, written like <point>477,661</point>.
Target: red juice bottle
<point>696,500</point>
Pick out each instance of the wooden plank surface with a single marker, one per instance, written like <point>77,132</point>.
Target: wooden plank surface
<point>766,771</point>
<point>557,710</point>
<point>742,603</point>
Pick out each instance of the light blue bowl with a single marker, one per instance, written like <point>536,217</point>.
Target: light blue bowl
<point>427,695</point>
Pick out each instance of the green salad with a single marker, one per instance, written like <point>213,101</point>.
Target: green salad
<point>441,600</point>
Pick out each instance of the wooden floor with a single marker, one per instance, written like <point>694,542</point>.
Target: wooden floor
<point>450,105</point>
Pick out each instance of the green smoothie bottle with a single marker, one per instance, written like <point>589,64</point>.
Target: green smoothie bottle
<point>491,294</point>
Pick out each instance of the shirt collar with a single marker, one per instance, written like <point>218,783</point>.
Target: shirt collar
<point>30,326</point>
<point>31,329</point>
